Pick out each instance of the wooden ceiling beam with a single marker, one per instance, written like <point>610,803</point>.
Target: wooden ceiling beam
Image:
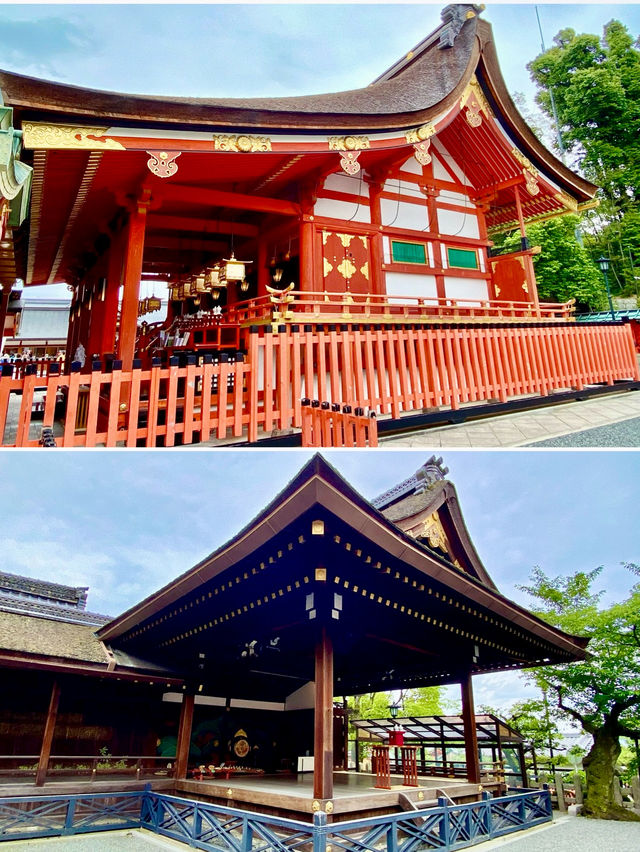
<point>156,222</point>
<point>235,200</point>
<point>184,245</point>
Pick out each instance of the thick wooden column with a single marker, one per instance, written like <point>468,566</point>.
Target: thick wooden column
<point>47,739</point>
<point>184,735</point>
<point>323,735</point>
<point>5,292</point>
<point>133,255</point>
<point>264,279</point>
<point>307,233</point>
<point>470,735</point>
<point>527,260</point>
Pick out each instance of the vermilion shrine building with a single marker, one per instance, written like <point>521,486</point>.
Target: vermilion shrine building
<point>323,594</point>
<point>363,211</point>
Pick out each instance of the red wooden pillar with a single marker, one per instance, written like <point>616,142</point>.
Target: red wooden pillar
<point>378,278</point>
<point>470,734</point>
<point>5,292</point>
<point>109,292</point>
<point>184,735</point>
<point>133,254</point>
<point>47,739</point>
<point>527,259</point>
<point>264,279</point>
<point>307,233</point>
<point>434,229</point>
<point>323,734</point>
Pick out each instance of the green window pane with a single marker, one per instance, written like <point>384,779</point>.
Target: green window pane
<point>462,258</point>
<point>408,252</point>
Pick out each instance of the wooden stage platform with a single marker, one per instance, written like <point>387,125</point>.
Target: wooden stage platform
<point>354,793</point>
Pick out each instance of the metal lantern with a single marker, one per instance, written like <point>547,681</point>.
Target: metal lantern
<point>244,286</point>
<point>234,270</point>
<point>212,276</point>
<point>201,283</point>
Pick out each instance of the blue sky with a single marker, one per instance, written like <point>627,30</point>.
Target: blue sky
<point>126,523</point>
<point>227,49</point>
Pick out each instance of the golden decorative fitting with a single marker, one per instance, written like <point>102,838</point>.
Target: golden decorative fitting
<point>242,144</point>
<point>531,182</point>
<point>348,143</point>
<point>474,100</point>
<point>36,134</point>
<point>229,793</point>
<point>321,575</point>
<point>525,162</point>
<point>329,807</point>
<point>349,162</point>
<point>420,795</point>
<point>327,267</point>
<point>420,134</point>
<point>162,164</point>
<point>347,268</point>
<point>421,152</point>
<point>364,271</point>
<point>315,806</point>
<point>567,201</point>
<point>317,527</point>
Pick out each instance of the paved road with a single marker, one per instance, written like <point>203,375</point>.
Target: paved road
<point>626,433</point>
<point>572,834</point>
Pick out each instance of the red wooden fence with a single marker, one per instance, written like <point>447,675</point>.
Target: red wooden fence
<point>388,370</point>
<point>325,425</point>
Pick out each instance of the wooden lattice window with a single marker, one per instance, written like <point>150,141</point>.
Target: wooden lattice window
<point>402,252</point>
<point>463,258</point>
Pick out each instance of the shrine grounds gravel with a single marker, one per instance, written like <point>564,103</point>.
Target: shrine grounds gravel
<point>571,834</point>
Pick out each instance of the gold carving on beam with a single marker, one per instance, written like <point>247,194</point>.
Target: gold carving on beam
<point>348,143</point>
<point>420,134</point>
<point>567,201</point>
<point>63,136</point>
<point>349,162</point>
<point>525,162</point>
<point>421,152</point>
<point>315,807</point>
<point>329,807</point>
<point>242,144</point>
<point>162,164</point>
<point>474,100</point>
<point>531,182</point>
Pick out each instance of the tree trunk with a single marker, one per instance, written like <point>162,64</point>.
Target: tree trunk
<point>599,764</point>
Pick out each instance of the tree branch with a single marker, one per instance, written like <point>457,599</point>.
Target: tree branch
<point>620,706</point>
<point>588,727</point>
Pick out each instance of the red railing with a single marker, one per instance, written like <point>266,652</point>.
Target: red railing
<point>389,370</point>
<point>297,306</point>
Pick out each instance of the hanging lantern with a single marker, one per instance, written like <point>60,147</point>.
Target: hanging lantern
<point>201,283</point>
<point>277,272</point>
<point>215,294</point>
<point>153,304</point>
<point>234,270</point>
<point>212,276</point>
<point>244,286</point>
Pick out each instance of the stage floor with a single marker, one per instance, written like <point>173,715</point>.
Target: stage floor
<point>353,791</point>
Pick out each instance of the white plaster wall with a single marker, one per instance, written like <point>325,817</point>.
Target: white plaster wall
<point>400,214</point>
<point>465,288</point>
<point>344,183</point>
<point>438,151</point>
<point>412,165</point>
<point>455,198</point>
<point>351,211</point>
<point>458,224</point>
<point>410,284</point>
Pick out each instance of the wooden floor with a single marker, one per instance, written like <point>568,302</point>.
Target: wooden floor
<point>354,793</point>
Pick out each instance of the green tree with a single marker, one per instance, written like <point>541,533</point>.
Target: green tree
<point>601,693</point>
<point>564,270</point>
<point>596,86</point>
<point>537,721</point>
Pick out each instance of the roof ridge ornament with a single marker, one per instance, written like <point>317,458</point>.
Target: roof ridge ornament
<point>454,17</point>
<point>425,477</point>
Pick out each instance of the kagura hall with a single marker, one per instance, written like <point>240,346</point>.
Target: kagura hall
<point>223,692</point>
<point>336,247</point>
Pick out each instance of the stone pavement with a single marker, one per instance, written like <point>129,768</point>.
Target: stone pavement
<point>571,834</point>
<point>526,428</point>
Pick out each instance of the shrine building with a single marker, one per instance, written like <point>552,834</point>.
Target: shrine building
<point>228,684</point>
<point>368,212</point>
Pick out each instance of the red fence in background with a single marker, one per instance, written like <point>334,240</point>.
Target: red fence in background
<point>389,370</point>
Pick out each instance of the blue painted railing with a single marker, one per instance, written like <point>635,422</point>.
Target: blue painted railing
<point>216,828</point>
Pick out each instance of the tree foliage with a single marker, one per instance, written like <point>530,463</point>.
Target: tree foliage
<point>564,269</point>
<point>596,86</point>
<point>602,692</point>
